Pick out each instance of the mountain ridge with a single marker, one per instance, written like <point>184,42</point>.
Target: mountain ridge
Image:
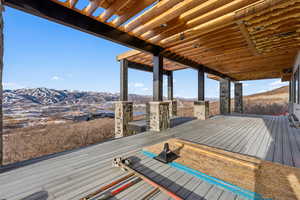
<point>46,96</point>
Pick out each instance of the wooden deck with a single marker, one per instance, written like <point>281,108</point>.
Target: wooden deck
<point>71,175</point>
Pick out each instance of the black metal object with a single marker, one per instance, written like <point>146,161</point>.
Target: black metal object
<point>124,80</point>
<point>157,78</point>
<point>60,14</point>
<point>166,155</point>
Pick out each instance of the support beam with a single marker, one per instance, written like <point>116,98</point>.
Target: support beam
<point>124,80</point>
<point>298,85</point>
<point>157,78</point>
<point>224,96</point>
<point>290,91</point>
<point>170,86</point>
<point>201,85</point>
<point>1,85</point>
<point>294,89</point>
<point>145,68</point>
<point>238,98</point>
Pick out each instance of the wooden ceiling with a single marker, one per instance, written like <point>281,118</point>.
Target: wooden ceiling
<point>244,39</point>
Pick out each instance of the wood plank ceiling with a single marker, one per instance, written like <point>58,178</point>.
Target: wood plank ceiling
<point>244,39</point>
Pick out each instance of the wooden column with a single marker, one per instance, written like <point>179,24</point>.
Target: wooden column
<point>157,78</point>
<point>290,91</point>
<point>1,85</point>
<point>294,89</point>
<point>170,85</point>
<point>123,108</point>
<point>224,96</point>
<point>201,85</point>
<point>238,97</point>
<point>201,107</point>
<point>124,80</point>
<point>298,85</point>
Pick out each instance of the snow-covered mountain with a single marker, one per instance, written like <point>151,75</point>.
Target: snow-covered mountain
<point>45,96</point>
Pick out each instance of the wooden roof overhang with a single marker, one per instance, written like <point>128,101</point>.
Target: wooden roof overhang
<point>235,39</point>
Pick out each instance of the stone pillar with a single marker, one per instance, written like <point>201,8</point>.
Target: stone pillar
<point>1,86</point>
<point>123,115</point>
<point>201,110</point>
<point>224,96</point>
<point>238,98</point>
<point>172,108</point>
<point>159,116</point>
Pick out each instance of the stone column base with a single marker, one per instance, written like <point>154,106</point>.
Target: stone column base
<point>123,115</point>
<point>201,110</point>
<point>159,116</point>
<point>172,108</point>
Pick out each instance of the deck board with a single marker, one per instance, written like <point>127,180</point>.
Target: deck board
<point>74,174</point>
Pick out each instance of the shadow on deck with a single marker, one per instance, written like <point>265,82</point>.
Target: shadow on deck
<point>140,126</point>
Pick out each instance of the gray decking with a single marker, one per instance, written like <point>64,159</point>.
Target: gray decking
<point>71,175</point>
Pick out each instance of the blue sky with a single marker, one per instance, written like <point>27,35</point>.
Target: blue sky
<point>40,53</point>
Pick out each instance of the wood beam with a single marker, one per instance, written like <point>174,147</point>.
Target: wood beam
<point>124,80</point>
<point>187,62</point>
<point>112,9</point>
<point>157,78</point>
<point>166,16</point>
<point>197,30</point>
<point>140,5</point>
<point>145,68</point>
<point>185,17</point>
<point>158,9</point>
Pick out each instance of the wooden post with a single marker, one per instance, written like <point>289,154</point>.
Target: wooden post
<point>123,108</point>
<point>294,89</point>
<point>170,86</point>
<point>298,85</point>
<point>157,78</point>
<point>290,91</point>
<point>238,97</point>
<point>1,85</point>
<point>201,85</point>
<point>124,80</point>
<point>224,96</point>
